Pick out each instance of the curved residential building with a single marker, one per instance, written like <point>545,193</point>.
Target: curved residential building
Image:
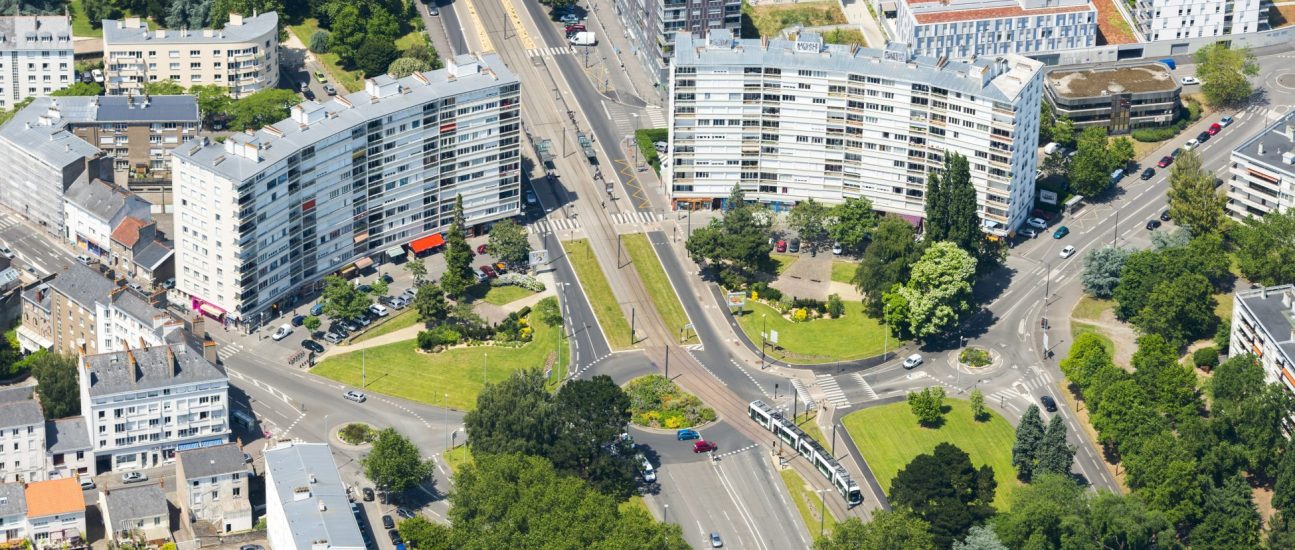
<point>243,56</point>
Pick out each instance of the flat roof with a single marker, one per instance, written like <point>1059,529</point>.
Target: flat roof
<point>1096,81</point>
<point>927,12</point>
<point>1276,318</point>
<point>1275,140</point>
<point>134,31</point>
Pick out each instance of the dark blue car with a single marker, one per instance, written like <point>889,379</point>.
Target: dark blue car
<point>687,434</point>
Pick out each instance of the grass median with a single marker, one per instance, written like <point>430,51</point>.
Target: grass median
<point>852,336</point>
<point>809,503</point>
<point>405,319</point>
<point>653,275</point>
<point>843,271</point>
<point>599,293</point>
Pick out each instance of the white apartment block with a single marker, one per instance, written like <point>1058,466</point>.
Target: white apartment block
<point>1263,323</point>
<point>126,320</point>
<point>144,404</point>
<point>93,208</point>
<point>965,28</point>
<point>1179,19</point>
<point>35,57</point>
<point>269,213</point>
<point>22,437</point>
<point>306,504</point>
<point>1262,176</point>
<point>243,56</point>
<point>790,121</point>
<point>13,514</point>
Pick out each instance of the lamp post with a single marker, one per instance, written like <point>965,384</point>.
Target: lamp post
<point>665,514</point>
<point>822,513</point>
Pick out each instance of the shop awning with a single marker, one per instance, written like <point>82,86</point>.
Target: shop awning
<point>210,309</point>
<point>363,263</point>
<point>915,221</point>
<point>426,243</point>
<point>200,444</point>
<point>395,251</point>
<point>349,268</point>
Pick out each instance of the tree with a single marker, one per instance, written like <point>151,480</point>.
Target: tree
<point>1265,247</point>
<point>98,10</point>
<point>1256,426</point>
<point>375,55</point>
<point>311,323</point>
<point>1087,355</point>
<point>320,40</point>
<point>937,294</point>
<point>395,462</point>
<point>348,28</point>
<point>56,383</point>
<point>1048,513</point>
<point>1029,434</point>
<point>1284,484</point>
<point>1121,151</point>
<point>424,52</point>
<point>406,66</point>
<point>458,256</point>
<point>1193,201</point>
<point>417,269</point>
<point>163,87</point>
<point>978,410</point>
<point>188,14</point>
<point>1231,519</point>
<point>1120,521</point>
<point>927,405</point>
<point>1180,310</point>
<point>419,533</point>
<point>1180,495</point>
<point>429,302</point>
<point>850,223</point>
<point>1054,454</point>
<point>1224,73</point>
<point>213,100</point>
<point>980,537</point>
<point>591,413</point>
<point>262,108</point>
<point>1063,131</point>
<point>79,89</point>
<point>809,219</point>
<point>736,244</point>
<point>379,287</point>
<point>1281,531</point>
<point>342,300</point>
<point>1090,171</point>
<point>946,490</point>
<point>548,311</point>
<point>1145,269</point>
<point>1101,273</point>
<point>508,243</point>
<point>886,261</point>
<point>220,9</point>
<point>1047,119</point>
<point>888,530</point>
<point>951,207</point>
<point>514,416</point>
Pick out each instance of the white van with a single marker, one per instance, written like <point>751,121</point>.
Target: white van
<point>282,332</point>
<point>584,38</point>
<point>1050,148</point>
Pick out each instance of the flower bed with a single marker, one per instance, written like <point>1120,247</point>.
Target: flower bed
<point>656,402</point>
<point>357,434</point>
<point>975,357</point>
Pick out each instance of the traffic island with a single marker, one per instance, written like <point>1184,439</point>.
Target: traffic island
<point>356,435</point>
<point>976,360</point>
<point>657,403</point>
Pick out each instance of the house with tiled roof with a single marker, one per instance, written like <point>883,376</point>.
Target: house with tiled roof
<point>138,513</point>
<point>55,513</point>
<point>92,210</point>
<point>140,253</point>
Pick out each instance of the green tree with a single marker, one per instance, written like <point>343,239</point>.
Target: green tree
<point>311,323</point>
<point>213,100</point>
<point>342,300</point>
<point>592,413</point>
<point>1029,434</point>
<point>549,312</point>
<point>406,66</point>
<point>937,294</point>
<point>888,530</point>
<point>945,490</point>
<point>1087,355</point>
<point>1063,131</point>
<point>1237,379</point>
<point>395,462</point>
<point>1180,495</point>
<point>851,222</point>
<point>978,410</point>
<point>163,87</point>
<point>320,40</point>
<point>1120,521</point>
<point>56,383</point>
<point>886,261</point>
<point>809,220</point>
<point>79,89</point>
<point>736,244</point>
<point>1180,310</point>
<point>1051,512</point>
<point>1146,269</point>
<point>375,55</point>
<point>193,14</point>
<point>980,537</point>
<point>1284,484</point>
<point>458,275</point>
<point>951,206</point>
<point>1281,531</point>
<point>1257,426</point>
<point>927,405</point>
<point>1090,171</point>
<point>1121,151</point>
<point>417,269</point>
<point>1230,517</point>
<point>348,28</point>
<point>1047,119</point>
<point>419,533</point>
<point>516,415</point>
<point>1054,454</point>
<point>98,10</point>
<point>429,302</point>
<point>1193,201</point>
<point>261,108</point>
<point>220,9</point>
<point>508,243</point>
<point>1170,385</point>
<point>1124,418</point>
<point>1265,247</point>
<point>1101,272</point>
<point>1225,72</point>
<point>379,287</point>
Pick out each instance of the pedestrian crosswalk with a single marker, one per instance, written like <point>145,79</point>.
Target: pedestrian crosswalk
<point>554,225</point>
<point>656,116</point>
<point>832,390</point>
<point>631,218</point>
<point>228,350</point>
<point>802,393</point>
<point>548,52</point>
<point>868,392</point>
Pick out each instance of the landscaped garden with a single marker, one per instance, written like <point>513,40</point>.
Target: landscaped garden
<point>770,19</point>
<point>656,402</point>
<point>815,341</point>
<point>357,433</point>
<point>599,293</point>
<point>975,357</point>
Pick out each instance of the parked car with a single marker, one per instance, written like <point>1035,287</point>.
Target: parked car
<point>1190,80</point>
<point>1037,223</point>
<point>481,249</point>
<point>780,246</point>
<point>1048,403</point>
<point>531,198</point>
<point>340,329</point>
<point>1153,224</point>
<point>282,332</point>
<point>912,360</point>
<point>1191,144</point>
<point>319,75</point>
<point>395,536</point>
<point>500,267</point>
<point>133,477</point>
<point>489,271</point>
<point>1203,137</point>
<point>363,321</point>
<point>1166,160</point>
<point>379,310</point>
<point>1028,232</point>
<point>303,87</point>
<point>85,259</point>
<point>404,513</point>
<point>6,252</point>
<point>703,446</point>
<point>1177,151</point>
<point>317,309</point>
<point>98,75</point>
<point>433,11</point>
<point>1148,174</point>
<point>388,523</point>
<point>1226,121</point>
<point>352,325</point>
<point>837,249</point>
<point>575,28</point>
<point>312,345</point>
<point>1068,251</point>
<point>1215,129</point>
<point>298,320</point>
<point>1061,232</point>
<point>333,338</point>
<point>569,19</point>
<point>686,434</point>
<point>368,494</point>
<point>646,470</point>
<point>169,283</point>
<point>86,77</point>
<point>355,396</point>
<point>481,276</point>
<point>330,89</point>
<point>794,247</point>
<point>309,95</point>
<point>1164,216</point>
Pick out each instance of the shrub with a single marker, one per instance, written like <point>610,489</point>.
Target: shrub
<point>975,357</point>
<point>319,41</point>
<point>808,303</point>
<point>771,294</point>
<point>356,434</point>
<point>1223,336</point>
<point>439,335</point>
<point>656,401</point>
<point>518,279</point>
<point>549,312</point>
<point>835,307</point>
<point>1206,358</point>
<point>799,314</point>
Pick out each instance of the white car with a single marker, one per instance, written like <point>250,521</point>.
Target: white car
<point>837,249</point>
<point>355,396</point>
<point>912,360</point>
<point>6,252</point>
<point>1191,144</point>
<point>133,477</point>
<point>98,75</point>
<point>1189,80</point>
<point>1029,232</point>
<point>282,332</point>
<point>1037,223</point>
<point>1068,251</point>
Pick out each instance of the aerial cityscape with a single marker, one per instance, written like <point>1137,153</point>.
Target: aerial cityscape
<point>657,274</point>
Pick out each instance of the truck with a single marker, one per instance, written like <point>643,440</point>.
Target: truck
<point>586,145</point>
<point>584,38</point>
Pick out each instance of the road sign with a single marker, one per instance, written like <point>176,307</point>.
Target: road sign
<point>773,337</point>
<point>539,257</point>
<point>736,300</point>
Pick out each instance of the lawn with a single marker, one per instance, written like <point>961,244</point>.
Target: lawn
<point>782,261</point>
<point>456,458</point>
<point>605,305</point>
<point>416,36</point>
<point>843,271</point>
<point>1112,27</point>
<point>81,23</point>
<point>353,81</point>
<point>809,503</point>
<point>404,319</point>
<point>890,438</point>
<point>771,19</point>
<point>1090,308</point>
<point>645,139</point>
<point>845,36</point>
<point>1224,307</point>
<point>502,295</point>
<point>664,297</point>
<point>807,424</point>
<point>1077,328</point>
<point>454,376</point>
<point>853,336</point>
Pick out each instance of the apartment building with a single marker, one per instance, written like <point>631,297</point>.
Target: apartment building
<point>68,450</point>
<point>139,133</point>
<point>140,253</point>
<point>1119,99</point>
<point>22,437</point>
<point>92,209</point>
<point>965,28</point>
<point>213,484</point>
<point>42,160</point>
<point>144,404</point>
<point>652,25</point>
<point>35,56</point>
<point>790,121</point>
<point>55,513</point>
<point>1179,19</point>
<point>76,295</point>
<point>138,514</point>
<point>126,319</point>
<point>1263,323</point>
<point>305,500</point>
<point>243,56</point>
<point>267,214</point>
<point>37,329</point>
<point>1262,173</point>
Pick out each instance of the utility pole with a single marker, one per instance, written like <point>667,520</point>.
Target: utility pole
<point>667,363</point>
<point>833,439</point>
<point>1115,234</point>
<point>363,371</point>
<point>631,326</point>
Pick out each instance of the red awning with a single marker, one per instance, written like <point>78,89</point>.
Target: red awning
<point>426,243</point>
<point>363,262</point>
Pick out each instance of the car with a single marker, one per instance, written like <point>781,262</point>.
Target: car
<point>1148,174</point>
<point>352,325</point>
<point>488,271</point>
<point>85,259</point>
<point>703,446</point>
<point>1153,224</point>
<point>794,246</point>
<point>133,477</point>
<point>912,360</point>
<point>1215,129</point>
<point>319,75</point>
<point>395,536</point>
<point>1203,137</point>
<point>500,267</point>
<point>481,249</point>
<point>309,95</point>
<point>1164,216</point>
<point>1037,223</point>
<point>312,345</point>
<point>531,198</point>
<point>1165,161</point>
<point>363,321</point>
<point>98,75</point>
<point>404,513</point>
<point>1068,251</point>
<point>317,309</point>
<point>1190,80</point>
<point>569,19</point>
<point>333,337</point>
<point>780,246</point>
<point>368,494</point>
<point>355,396</point>
<point>247,458</point>
<point>1177,151</point>
<point>397,303</point>
<point>388,523</point>
<point>137,288</point>
<point>1191,144</point>
<point>6,252</point>
<point>169,283</point>
<point>1028,232</point>
<point>251,547</point>
<point>86,77</point>
<point>282,332</point>
<point>87,483</point>
<point>1048,403</point>
<point>433,11</point>
<point>298,320</point>
<point>1061,232</point>
<point>364,288</point>
<point>303,87</point>
<point>837,249</point>
<point>575,28</point>
<point>481,277</point>
<point>686,434</point>
<point>387,278</point>
<point>661,146</point>
<point>379,310</point>
<point>646,470</point>
<point>715,541</point>
<point>1225,121</point>
<point>330,89</point>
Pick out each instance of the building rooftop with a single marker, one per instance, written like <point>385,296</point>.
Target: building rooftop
<point>131,303</point>
<point>1274,309</point>
<point>138,502</point>
<point>158,108</point>
<point>83,285</point>
<point>20,413</point>
<point>105,200</point>
<point>212,461</point>
<point>148,368</point>
<point>1093,82</point>
<point>948,11</point>
<point>238,29</point>
<point>127,232</point>
<point>36,32</point>
<point>243,155</point>
<point>56,496</point>
<point>67,435</point>
<point>1273,147</point>
<point>41,127</point>
<point>16,394</point>
<point>13,500</point>
<point>153,255</point>
<point>312,495</point>
<point>1000,78</point>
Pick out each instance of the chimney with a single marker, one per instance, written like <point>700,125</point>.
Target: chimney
<point>171,363</point>
<point>209,351</point>
<point>134,374</point>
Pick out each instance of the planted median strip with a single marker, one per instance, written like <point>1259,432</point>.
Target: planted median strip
<point>653,275</point>
<point>601,299</point>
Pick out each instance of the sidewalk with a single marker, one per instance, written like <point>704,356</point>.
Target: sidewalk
<point>617,37</point>
<point>856,11</point>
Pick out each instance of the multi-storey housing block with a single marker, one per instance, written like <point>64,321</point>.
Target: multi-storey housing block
<point>77,294</point>
<point>22,437</point>
<point>652,25</point>
<point>1179,19</point>
<point>92,209</point>
<point>35,57</point>
<point>68,451</point>
<point>1262,176</point>
<point>790,121</point>
<point>127,319</point>
<point>306,504</point>
<point>966,28</point>
<point>243,56</point>
<point>43,159</point>
<point>1119,99</point>
<point>1263,323</point>
<point>267,214</point>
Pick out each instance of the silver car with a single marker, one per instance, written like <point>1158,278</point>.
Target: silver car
<point>912,360</point>
<point>355,396</point>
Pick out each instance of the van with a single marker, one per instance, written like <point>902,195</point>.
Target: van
<point>1050,148</point>
<point>282,332</point>
<point>243,418</point>
<point>1117,175</point>
<point>584,39</point>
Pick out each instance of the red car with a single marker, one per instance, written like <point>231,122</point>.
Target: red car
<point>1166,161</point>
<point>489,271</point>
<point>781,246</point>
<point>571,29</point>
<point>481,249</point>
<point>1215,128</point>
<point>703,446</point>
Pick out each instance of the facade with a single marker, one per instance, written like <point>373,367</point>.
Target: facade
<point>42,160</point>
<point>13,514</point>
<point>77,293</point>
<point>35,57</point>
<point>140,253</point>
<point>144,404</point>
<point>138,132</point>
<point>790,121</point>
<point>92,210</point>
<point>652,25</point>
<point>305,501</point>
<point>1262,174</point>
<point>1119,99</point>
<point>128,320</point>
<point>213,484</point>
<point>68,452</point>
<point>243,56</point>
<point>268,214</point>
<point>138,513</point>
<point>1263,323</point>
<point>1180,19</point>
<point>55,513</point>
<point>37,329</point>
<point>22,437</point>
<point>965,28</point>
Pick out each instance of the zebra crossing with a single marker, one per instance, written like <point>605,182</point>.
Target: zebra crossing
<point>631,218</point>
<point>868,392</point>
<point>832,390</point>
<point>228,350</point>
<point>802,393</point>
<point>551,51</point>
<point>554,225</point>
<point>656,116</point>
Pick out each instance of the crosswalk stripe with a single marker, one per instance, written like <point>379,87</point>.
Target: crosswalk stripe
<point>832,390</point>
<point>803,393</point>
<point>867,388</point>
<point>656,116</point>
<point>558,224</point>
<point>636,217</point>
<point>548,52</point>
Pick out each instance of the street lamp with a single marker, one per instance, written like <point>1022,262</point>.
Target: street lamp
<point>665,514</point>
<point>822,513</point>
